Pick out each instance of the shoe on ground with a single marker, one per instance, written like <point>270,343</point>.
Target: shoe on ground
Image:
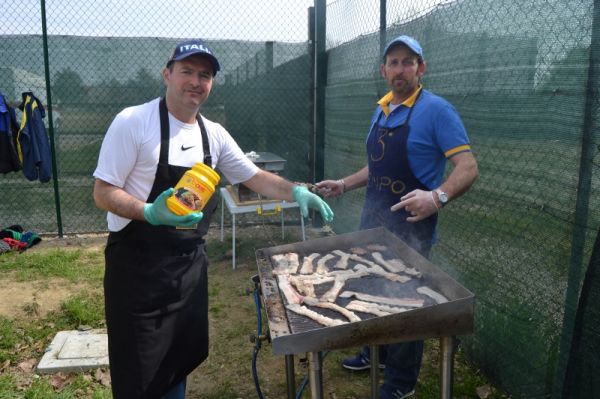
<point>358,363</point>
<point>394,394</point>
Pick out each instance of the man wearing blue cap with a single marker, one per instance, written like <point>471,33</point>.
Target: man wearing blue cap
<point>155,284</point>
<point>413,133</point>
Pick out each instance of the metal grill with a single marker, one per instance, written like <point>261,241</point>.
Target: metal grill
<point>293,333</point>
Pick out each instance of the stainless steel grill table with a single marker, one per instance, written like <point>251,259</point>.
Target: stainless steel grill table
<point>292,333</point>
<point>260,207</point>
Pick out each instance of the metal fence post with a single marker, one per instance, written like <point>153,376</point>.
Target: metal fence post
<point>320,71</point>
<point>319,88</point>
<point>311,101</point>
<point>382,26</point>
<point>50,121</point>
<point>268,56</point>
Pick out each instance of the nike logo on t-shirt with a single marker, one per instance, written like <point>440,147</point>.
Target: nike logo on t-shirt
<point>186,148</point>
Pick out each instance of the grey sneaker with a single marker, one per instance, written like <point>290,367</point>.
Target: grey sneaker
<point>400,395</point>
<point>396,394</point>
<point>358,363</point>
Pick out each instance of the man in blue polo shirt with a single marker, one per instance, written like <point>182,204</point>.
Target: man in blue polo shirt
<point>413,133</point>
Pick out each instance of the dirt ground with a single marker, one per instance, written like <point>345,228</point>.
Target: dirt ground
<point>14,297</point>
<point>47,295</point>
<point>73,241</point>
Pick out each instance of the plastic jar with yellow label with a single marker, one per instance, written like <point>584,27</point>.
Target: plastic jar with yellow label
<point>193,190</point>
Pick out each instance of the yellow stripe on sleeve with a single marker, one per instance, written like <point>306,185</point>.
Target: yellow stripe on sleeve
<point>456,150</point>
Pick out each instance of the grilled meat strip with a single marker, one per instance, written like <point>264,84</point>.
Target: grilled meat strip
<point>408,302</point>
<point>436,296</point>
<point>285,263</point>
<point>374,308</point>
<point>340,281</point>
<point>319,318</point>
<point>344,257</point>
<point>307,263</point>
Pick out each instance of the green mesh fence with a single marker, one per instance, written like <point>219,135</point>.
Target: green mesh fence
<point>581,381</point>
<point>523,75</point>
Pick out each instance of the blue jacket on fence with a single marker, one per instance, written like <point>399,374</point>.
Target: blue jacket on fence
<point>33,144</point>
<point>9,157</point>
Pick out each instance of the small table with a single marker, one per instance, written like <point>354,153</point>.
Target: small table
<point>266,206</point>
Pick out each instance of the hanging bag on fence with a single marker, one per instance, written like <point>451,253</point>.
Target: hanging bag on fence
<point>33,144</point>
<point>9,157</point>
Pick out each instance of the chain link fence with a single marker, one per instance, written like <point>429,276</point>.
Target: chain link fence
<point>523,76</point>
<point>104,56</point>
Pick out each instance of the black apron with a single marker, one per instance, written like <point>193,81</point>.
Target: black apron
<point>156,293</point>
<point>390,177</point>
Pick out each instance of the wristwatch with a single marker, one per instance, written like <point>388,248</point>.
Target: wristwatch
<point>442,196</point>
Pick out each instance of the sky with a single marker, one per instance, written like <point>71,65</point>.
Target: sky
<point>256,20</point>
<point>280,20</point>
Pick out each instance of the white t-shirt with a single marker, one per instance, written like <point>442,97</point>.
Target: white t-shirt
<point>131,148</point>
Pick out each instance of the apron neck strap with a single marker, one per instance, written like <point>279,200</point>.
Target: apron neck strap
<point>410,111</point>
<point>205,145</point>
<point>164,135</point>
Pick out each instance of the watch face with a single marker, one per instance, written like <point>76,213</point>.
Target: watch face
<point>443,197</point>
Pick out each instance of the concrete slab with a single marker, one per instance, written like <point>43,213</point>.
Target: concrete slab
<point>75,351</point>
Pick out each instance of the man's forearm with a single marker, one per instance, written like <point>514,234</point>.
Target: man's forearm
<point>114,199</point>
<point>270,185</point>
<point>356,180</point>
<point>462,177</point>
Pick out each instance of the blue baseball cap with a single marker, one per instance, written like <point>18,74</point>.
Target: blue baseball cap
<point>409,42</point>
<point>191,47</point>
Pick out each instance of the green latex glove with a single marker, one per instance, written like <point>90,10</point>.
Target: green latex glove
<point>306,199</point>
<point>157,213</point>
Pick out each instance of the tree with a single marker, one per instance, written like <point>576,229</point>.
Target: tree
<point>68,88</point>
<point>144,87</point>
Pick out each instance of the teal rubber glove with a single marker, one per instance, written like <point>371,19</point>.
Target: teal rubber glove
<point>306,199</point>
<point>158,214</point>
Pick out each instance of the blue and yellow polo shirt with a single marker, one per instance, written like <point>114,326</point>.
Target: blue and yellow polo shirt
<point>436,133</point>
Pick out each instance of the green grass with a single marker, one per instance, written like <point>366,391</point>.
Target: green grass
<point>6,385</point>
<point>76,121</point>
<point>78,156</point>
<point>84,309</point>
<point>72,265</point>
<point>8,340</point>
<point>79,387</point>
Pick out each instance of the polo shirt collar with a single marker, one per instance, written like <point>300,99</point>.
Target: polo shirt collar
<point>384,102</point>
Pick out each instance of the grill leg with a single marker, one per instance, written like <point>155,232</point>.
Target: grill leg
<point>289,376</point>
<point>233,238</point>
<point>315,375</point>
<point>446,366</point>
<point>282,226</point>
<point>374,349</point>
<point>222,215</point>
